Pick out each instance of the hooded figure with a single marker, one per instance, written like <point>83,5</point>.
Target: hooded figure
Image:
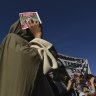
<point>21,71</point>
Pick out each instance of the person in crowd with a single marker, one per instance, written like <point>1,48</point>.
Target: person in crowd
<point>90,83</point>
<point>63,82</point>
<point>86,86</point>
<point>21,67</point>
<point>95,83</point>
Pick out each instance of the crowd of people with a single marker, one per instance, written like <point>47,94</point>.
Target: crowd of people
<point>78,85</point>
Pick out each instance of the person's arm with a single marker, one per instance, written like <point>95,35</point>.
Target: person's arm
<point>92,85</point>
<point>69,85</point>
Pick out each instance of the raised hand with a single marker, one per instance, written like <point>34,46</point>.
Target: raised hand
<point>34,27</point>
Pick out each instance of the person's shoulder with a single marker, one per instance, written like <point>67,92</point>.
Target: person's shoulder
<point>15,37</point>
<point>12,35</point>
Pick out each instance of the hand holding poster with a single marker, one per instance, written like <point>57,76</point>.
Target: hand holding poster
<point>28,15</point>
